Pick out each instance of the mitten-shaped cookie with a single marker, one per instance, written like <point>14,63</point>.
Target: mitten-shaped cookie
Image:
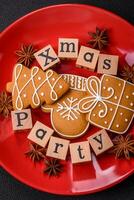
<point>65,116</point>
<point>32,87</point>
<point>109,103</point>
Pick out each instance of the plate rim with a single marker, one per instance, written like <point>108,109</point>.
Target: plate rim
<point>63,5</point>
<point>24,181</point>
<point>69,193</point>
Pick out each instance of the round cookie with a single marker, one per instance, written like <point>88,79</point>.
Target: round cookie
<point>66,118</point>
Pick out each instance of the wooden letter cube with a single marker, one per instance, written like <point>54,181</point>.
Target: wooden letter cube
<point>21,119</point>
<point>40,134</point>
<point>107,64</point>
<point>100,142</point>
<point>80,152</point>
<point>57,148</point>
<point>46,57</point>
<point>68,48</point>
<point>87,58</point>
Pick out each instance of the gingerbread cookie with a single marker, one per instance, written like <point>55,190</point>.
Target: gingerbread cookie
<point>75,82</point>
<point>65,116</point>
<point>32,87</point>
<point>109,103</point>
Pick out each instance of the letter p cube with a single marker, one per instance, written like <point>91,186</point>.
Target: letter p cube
<point>21,119</point>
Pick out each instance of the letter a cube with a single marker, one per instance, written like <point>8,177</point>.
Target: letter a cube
<point>40,134</point>
<point>87,58</point>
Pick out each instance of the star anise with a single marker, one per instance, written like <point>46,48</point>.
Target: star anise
<point>26,54</point>
<point>53,167</point>
<point>5,104</point>
<point>128,73</point>
<point>36,153</point>
<point>99,39</point>
<point>123,146</point>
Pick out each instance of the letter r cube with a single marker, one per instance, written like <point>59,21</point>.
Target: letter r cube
<point>57,148</point>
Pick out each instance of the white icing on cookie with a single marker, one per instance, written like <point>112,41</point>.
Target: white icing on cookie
<point>76,82</point>
<point>90,102</point>
<point>126,120</point>
<point>35,97</point>
<point>69,109</point>
<point>117,125</point>
<point>131,104</point>
<point>42,94</point>
<point>39,78</point>
<point>127,97</point>
<point>87,104</point>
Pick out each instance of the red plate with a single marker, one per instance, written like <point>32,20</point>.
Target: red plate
<point>41,28</point>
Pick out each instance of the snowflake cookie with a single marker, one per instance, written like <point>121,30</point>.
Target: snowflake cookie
<point>66,118</point>
<point>109,103</point>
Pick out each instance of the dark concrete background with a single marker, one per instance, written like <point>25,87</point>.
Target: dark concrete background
<point>10,188</point>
